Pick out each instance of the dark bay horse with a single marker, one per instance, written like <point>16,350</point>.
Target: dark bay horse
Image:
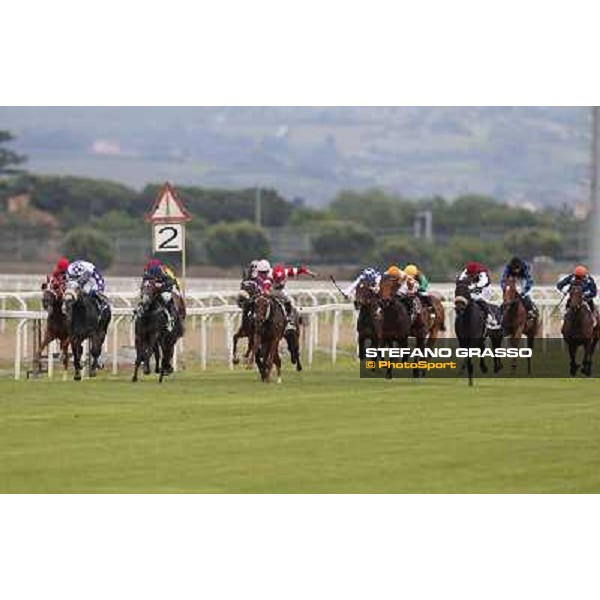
<point>470,327</point>
<point>56,324</point>
<point>152,335</point>
<point>369,311</point>
<point>246,298</point>
<point>515,322</point>
<point>85,321</point>
<point>580,328</point>
<point>269,327</point>
<point>393,320</point>
<point>248,294</point>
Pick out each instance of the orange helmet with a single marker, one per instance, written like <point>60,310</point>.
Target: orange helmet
<point>580,271</point>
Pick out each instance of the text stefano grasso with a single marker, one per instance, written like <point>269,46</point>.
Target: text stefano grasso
<point>449,352</point>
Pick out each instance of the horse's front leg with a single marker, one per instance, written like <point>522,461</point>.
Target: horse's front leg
<point>573,366</point>
<point>236,336</point>
<point>586,368</point>
<point>77,350</point>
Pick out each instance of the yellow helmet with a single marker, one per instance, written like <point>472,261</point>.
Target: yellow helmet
<point>394,271</point>
<point>411,270</point>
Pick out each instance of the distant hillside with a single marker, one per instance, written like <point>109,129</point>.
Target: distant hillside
<point>536,154</point>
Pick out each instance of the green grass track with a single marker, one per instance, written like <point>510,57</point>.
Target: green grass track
<point>321,431</point>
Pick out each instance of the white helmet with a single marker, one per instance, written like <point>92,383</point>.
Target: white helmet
<point>263,266</point>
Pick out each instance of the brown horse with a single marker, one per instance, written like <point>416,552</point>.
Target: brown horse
<point>367,303</point>
<point>269,327</point>
<point>515,322</point>
<point>56,323</point>
<point>580,328</point>
<point>393,321</point>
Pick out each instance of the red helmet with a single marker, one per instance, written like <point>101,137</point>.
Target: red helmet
<point>474,267</point>
<point>279,273</point>
<point>62,264</point>
<point>153,262</point>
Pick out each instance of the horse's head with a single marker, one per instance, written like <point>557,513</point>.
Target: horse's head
<point>52,294</point>
<point>511,290</point>
<point>262,309</point>
<point>151,290</point>
<point>462,296</point>
<point>388,288</point>
<point>365,295</point>
<point>576,296</point>
<point>71,296</point>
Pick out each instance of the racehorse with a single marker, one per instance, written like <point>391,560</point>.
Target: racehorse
<point>470,326</point>
<point>249,292</point>
<point>292,337</point>
<point>152,335</point>
<point>367,303</point>
<point>393,320</point>
<point>580,328</point>
<point>514,319</point>
<point>56,325</point>
<point>84,320</point>
<point>433,319</point>
<point>269,327</point>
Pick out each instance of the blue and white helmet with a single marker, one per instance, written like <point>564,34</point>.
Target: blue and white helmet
<point>370,275</point>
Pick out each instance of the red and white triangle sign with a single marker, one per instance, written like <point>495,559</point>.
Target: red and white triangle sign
<point>168,208</point>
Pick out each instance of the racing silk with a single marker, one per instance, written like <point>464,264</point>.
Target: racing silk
<point>264,281</point>
<point>480,286</point>
<point>86,275</point>
<point>589,285</point>
<point>289,272</point>
<point>525,279</point>
<point>423,283</point>
<point>352,287</point>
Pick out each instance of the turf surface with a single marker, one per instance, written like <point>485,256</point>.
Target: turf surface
<point>321,431</point>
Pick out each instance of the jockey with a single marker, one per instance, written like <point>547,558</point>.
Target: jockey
<point>263,272</point>
<point>90,280</point>
<point>59,275</point>
<point>518,268</point>
<point>422,284</point>
<point>370,276</point>
<point>156,270</point>
<point>588,284</point>
<point>279,276</point>
<point>478,278</point>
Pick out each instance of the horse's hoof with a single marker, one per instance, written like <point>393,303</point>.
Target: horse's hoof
<point>77,377</point>
<point>93,374</point>
<point>134,379</point>
<point>484,369</point>
<point>146,371</point>
<point>236,361</point>
<point>298,367</point>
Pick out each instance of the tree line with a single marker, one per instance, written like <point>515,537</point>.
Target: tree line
<point>356,227</point>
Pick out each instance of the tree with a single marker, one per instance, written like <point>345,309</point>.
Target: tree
<point>8,158</point>
<point>87,244</point>
<point>534,241</point>
<point>343,242</point>
<point>235,244</point>
<point>373,208</point>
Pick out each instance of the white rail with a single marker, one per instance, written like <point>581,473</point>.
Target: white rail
<point>203,317</point>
